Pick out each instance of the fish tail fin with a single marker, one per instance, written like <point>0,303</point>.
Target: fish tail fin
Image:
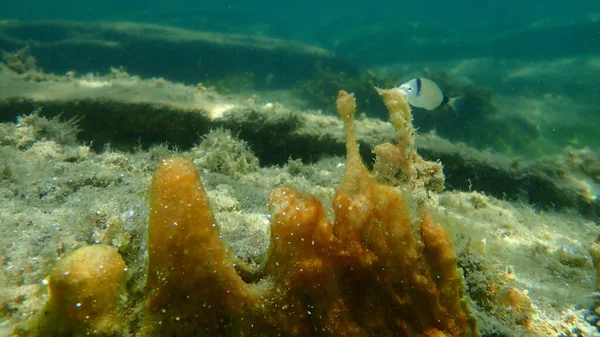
<point>453,101</point>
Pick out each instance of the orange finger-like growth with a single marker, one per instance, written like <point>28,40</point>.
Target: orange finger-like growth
<point>193,286</point>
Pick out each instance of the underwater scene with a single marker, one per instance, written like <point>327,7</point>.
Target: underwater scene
<point>272,168</point>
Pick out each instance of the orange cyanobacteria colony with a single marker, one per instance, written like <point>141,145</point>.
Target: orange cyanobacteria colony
<point>377,270</point>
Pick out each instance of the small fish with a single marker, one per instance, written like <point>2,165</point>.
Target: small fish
<point>424,93</point>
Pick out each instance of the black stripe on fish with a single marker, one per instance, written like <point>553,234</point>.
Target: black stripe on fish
<point>418,86</point>
<point>445,98</point>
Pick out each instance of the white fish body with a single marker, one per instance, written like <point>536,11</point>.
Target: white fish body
<point>425,94</point>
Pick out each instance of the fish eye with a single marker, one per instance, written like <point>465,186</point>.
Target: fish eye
<point>409,89</point>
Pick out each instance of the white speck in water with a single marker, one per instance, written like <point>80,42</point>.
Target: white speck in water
<point>163,311</point>
<point>175,224</point>
<point>78,305</point>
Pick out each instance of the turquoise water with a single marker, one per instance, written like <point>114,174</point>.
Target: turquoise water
<point>319,22</point>
<point>530,63</point>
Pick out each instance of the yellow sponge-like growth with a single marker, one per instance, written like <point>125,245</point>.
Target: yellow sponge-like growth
<point>192,284</point>
<point>399,164</point>
<point>85,290</point>
<point>381,269</point>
